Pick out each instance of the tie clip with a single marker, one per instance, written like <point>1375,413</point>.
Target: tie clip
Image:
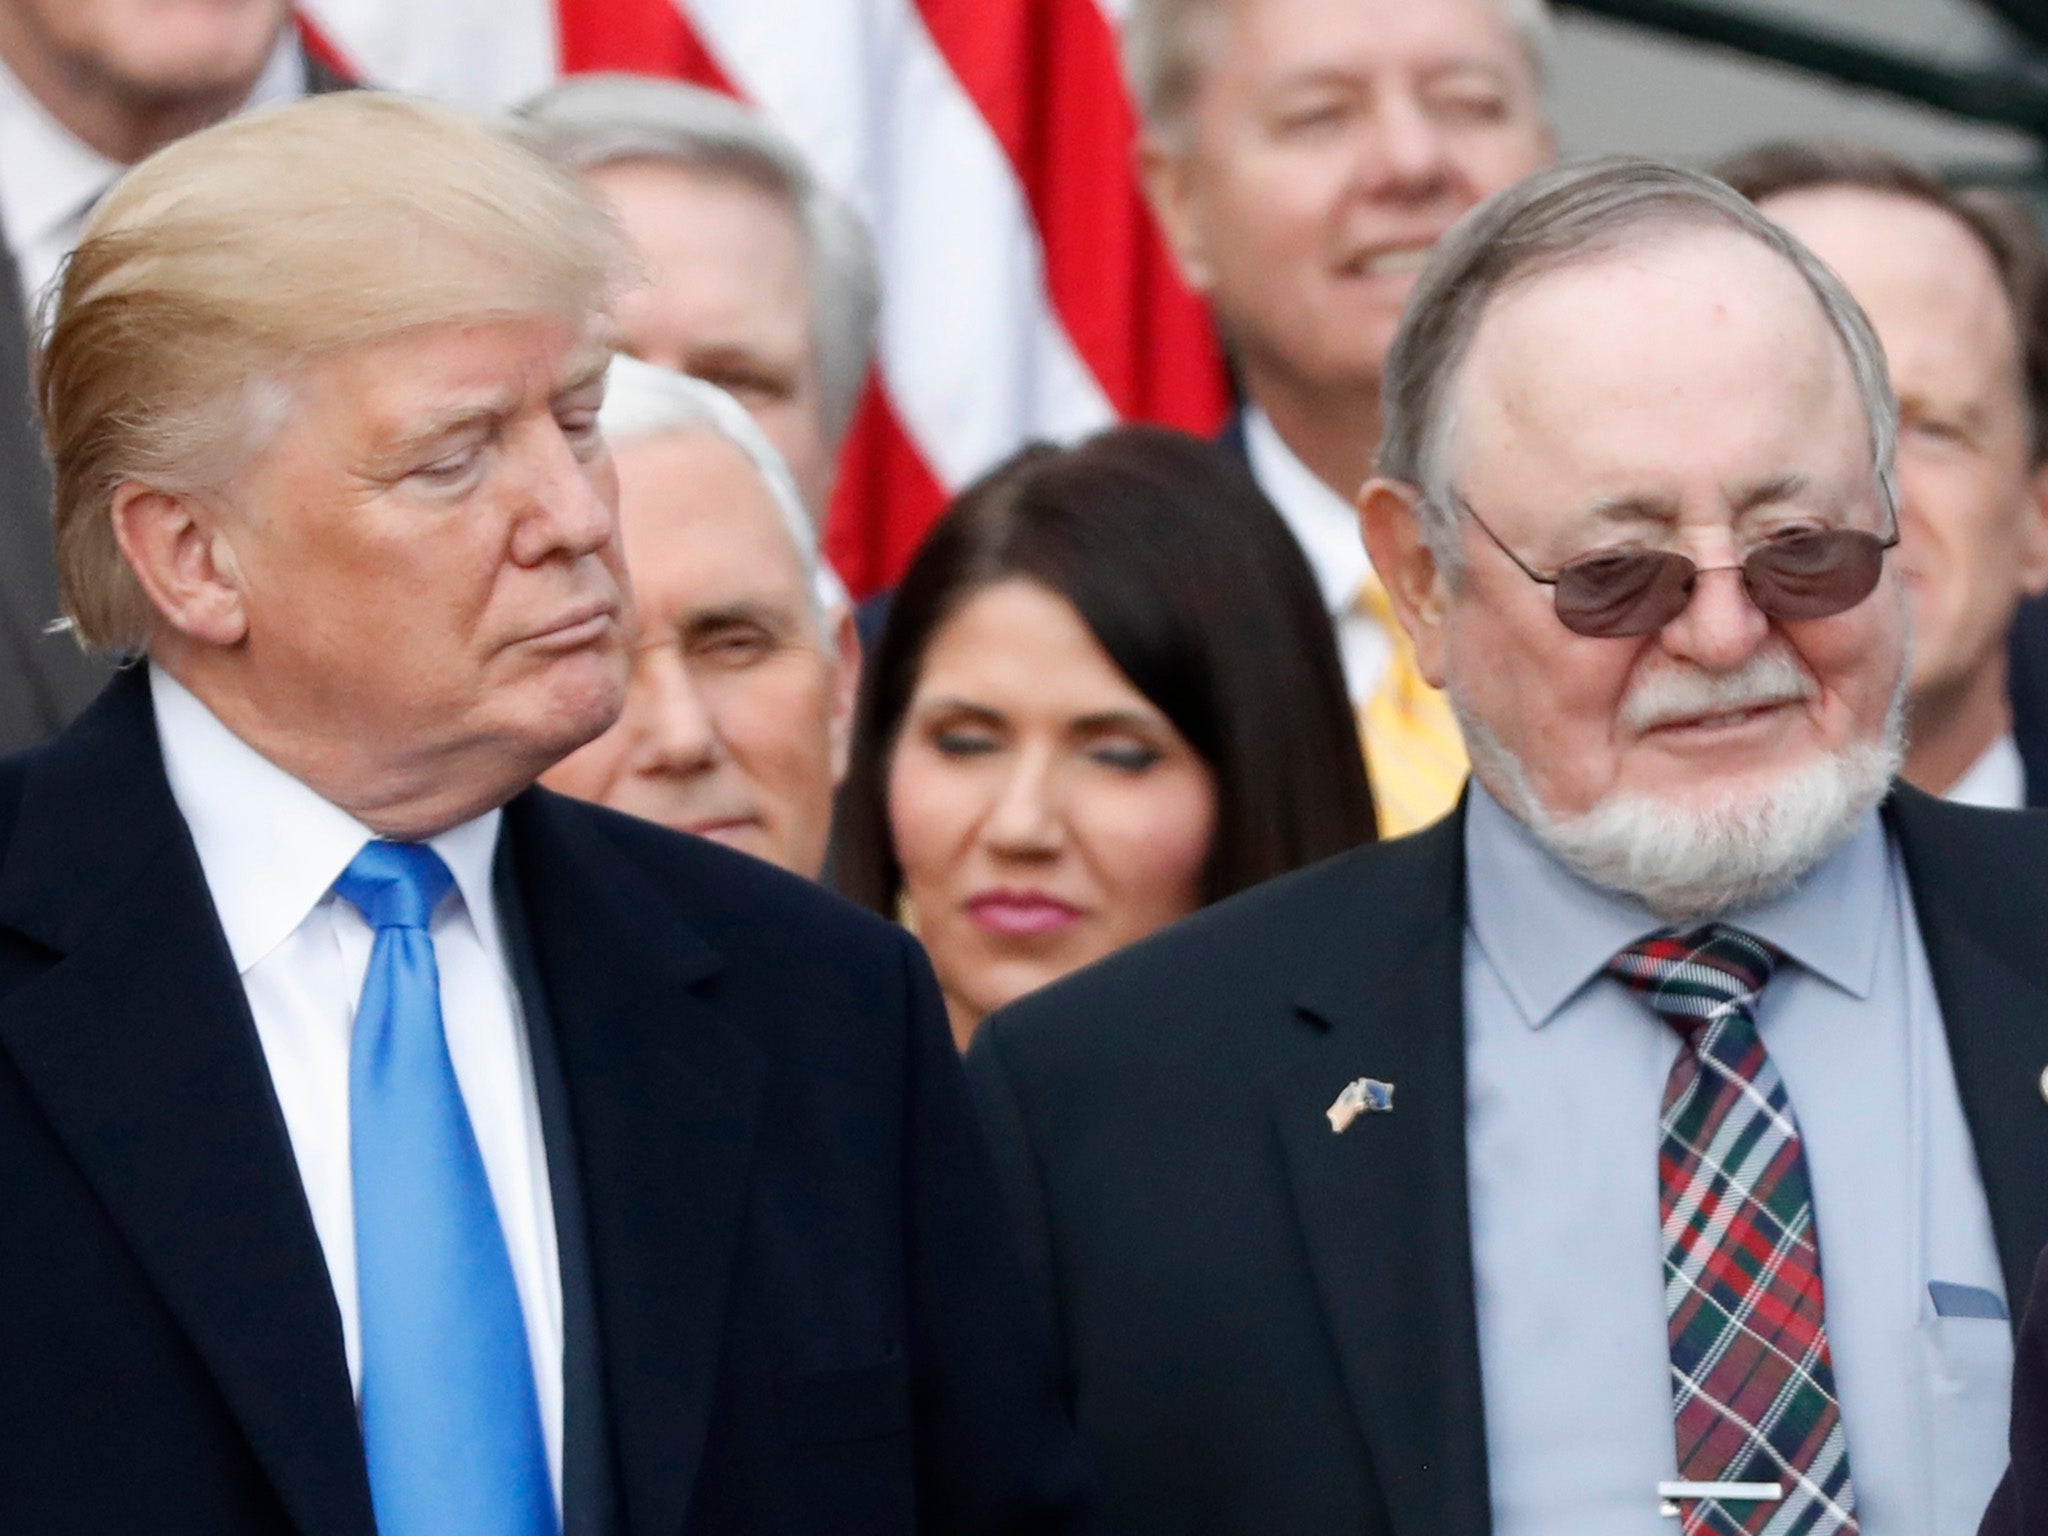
<point>1759,1492</point>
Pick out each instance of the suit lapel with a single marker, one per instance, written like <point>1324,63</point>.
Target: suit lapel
<point>137,1044</point>
<point>1994,1009</point>
<point>664,1091</point>
<point>1383,1205</point>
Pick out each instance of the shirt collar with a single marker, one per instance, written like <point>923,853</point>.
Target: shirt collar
<point>1548,931</point>
<point>270,847</point>
<point>1323,523</point>
<point>1997,780</point>
<point>48,175</point>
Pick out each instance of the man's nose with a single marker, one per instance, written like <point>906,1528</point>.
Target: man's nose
<point>675,728</point>
<point>1721,626</point>
<point>1405,153</point>
<point>571,509</point>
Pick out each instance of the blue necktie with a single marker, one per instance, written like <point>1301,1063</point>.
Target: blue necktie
<point>451,1423</point>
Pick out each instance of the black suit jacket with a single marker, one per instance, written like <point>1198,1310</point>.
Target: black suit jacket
<point>2027,684</point>
<point>2020,1506</point>
<point>791,1305</point>
<point>1269,1328</point>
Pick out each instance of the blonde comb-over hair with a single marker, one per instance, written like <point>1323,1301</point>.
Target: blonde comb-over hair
<point>225,262</point>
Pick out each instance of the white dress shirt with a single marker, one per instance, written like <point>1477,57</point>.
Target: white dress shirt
<point>1997,780</point>
<point>1566,1076</point>
<point>271,850</point>
<point>1326,527</point>
<point>50,179</point>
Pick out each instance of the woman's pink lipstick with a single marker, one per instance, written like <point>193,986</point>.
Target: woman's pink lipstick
<point>1021,914</point>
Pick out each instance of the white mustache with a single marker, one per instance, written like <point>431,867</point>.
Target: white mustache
<point>1667,696</point>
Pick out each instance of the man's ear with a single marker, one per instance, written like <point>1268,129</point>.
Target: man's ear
<point>1389,517</point>
<point>1168,177</point>
<point>846,661</point>
<point>180,554</point>
<point>2033,544</point>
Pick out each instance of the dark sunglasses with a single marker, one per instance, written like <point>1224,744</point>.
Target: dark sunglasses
<point>1810,573</point>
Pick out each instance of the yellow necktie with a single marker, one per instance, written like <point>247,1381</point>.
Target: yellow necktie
<point>1413,752</point>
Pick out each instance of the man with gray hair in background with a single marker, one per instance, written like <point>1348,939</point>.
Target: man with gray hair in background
<point>1657,1137</point>
<point>740,701</point>
<point>1304,157</point>
<point>759,278</point>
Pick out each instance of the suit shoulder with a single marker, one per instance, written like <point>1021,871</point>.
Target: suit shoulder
<point>1242,958</point>
<point>724,892</point>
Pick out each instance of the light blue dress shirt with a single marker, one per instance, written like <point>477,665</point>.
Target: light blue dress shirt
<point>1566,1073</point>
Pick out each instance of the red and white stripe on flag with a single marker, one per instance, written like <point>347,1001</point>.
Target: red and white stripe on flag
<point>1027,291</point>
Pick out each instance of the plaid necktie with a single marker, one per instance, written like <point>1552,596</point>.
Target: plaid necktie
<point>1752,1384</point>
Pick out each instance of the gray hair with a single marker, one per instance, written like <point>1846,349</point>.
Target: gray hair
<point>642,400</point>
<point>600,119</point>
<point>1166,46</point>
<point>1551,220</point>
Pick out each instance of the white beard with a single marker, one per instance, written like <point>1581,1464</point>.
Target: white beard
<point>1702,859</point>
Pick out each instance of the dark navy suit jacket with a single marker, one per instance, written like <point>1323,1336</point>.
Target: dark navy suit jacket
<point>1270,1330</point>
<point>790,1304</point>
<point>2027,650</point>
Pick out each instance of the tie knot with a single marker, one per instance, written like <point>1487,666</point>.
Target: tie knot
<point>1691,978</point>
<point>395,885</point>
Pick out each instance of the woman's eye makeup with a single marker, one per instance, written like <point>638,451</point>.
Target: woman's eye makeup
<point>963,741</point>
<point>1125,756</point>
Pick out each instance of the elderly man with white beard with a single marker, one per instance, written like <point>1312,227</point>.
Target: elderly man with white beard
<point>1652,1145</point>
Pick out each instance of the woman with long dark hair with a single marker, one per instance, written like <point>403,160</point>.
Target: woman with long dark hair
<point>1107,694</point>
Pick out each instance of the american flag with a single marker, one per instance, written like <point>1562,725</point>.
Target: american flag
<point>990,144</point>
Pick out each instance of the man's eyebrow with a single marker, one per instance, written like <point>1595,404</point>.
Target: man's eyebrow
<point>1628,508</point>
<point>767,614</point>
<point>585,366</point>
<point>751,357</point>
<point>483,411</point>
<point>1785,487</point>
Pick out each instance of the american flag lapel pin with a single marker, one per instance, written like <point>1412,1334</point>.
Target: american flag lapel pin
<point>1361,1096</point>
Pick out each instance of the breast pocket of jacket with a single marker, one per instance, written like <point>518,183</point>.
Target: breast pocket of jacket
<point>1970,1381</point>
<point>845,1404</point>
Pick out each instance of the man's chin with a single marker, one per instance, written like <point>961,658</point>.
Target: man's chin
<point>1691,852</point>
<point>564,720</point>
<point>1704,855</point>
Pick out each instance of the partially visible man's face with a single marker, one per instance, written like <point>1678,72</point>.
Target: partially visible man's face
<point>428,557</point>
<point>158,50</point>
<point>1974,523</point>
<point>1686,394</point>
<point>1333,142</point>
<point>735,726</point>
<point>727,300</point>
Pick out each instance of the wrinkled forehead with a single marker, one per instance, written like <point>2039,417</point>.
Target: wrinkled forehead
<point>692,501</point>
<point>1285,38</point>
<point>1678,361</point>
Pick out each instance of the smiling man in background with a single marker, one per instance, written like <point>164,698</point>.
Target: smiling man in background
<point>1304,156</point>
